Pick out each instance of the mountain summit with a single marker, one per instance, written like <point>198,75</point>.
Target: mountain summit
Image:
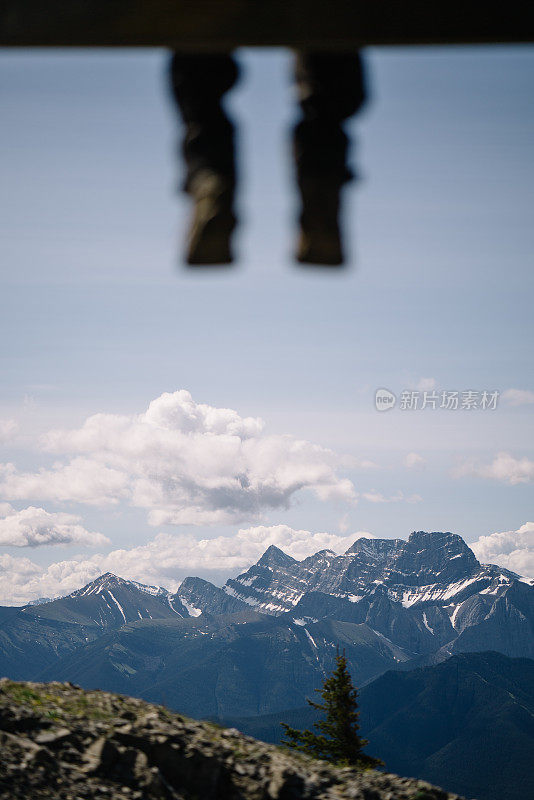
<point>433,557</point>
<point>108,602</point>
<point>426,566</point>
<point>274,557</point>
<point>110,581</point>
<point>423,594</point>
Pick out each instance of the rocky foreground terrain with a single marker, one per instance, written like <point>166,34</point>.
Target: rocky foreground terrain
<point>59,741</point>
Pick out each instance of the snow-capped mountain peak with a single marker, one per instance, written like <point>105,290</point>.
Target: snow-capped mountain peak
<point>433,557</point>
<point>375,548</point>
<point>105,581</point>
<point>421,593</point>
<point>110,601</point>
<point>407,570</point>
<point>274,557</point>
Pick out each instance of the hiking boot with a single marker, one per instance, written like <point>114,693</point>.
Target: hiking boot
<point>213,220</point>
<point>320,235</point>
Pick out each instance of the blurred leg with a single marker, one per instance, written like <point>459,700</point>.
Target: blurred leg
<point>330,90</point>
<point>199,82</point>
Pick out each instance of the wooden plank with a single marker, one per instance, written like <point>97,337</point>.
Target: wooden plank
<point>225,24</point>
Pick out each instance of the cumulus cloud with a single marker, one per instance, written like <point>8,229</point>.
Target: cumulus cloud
<point>22,580</point>
<point>82,480</point>
<point>414,460</point>
<point>504,468</point>
<point>163,561</point>
<point>518,397</point>
<point>8,428</point>
<point>513,550</point>
<point>33,527</point>
<point>297,543</point>
<point>182,461</point>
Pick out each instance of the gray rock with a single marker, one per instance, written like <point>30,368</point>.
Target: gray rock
<point>160,756</point>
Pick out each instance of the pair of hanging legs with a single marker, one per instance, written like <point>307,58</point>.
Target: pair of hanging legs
<point>330,90</point>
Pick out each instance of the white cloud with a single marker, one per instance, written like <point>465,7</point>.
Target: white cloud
<point>518,397</point>
<point>8,429</point>
<point>504,468</point>
<point>22,580</point>
<point>426,384</point>
<point>513,550</point>
<point>185,462</point>
<point>163,561</point>
<point>362,464</point>
<point>82,480</point>
<point>414,460</point>
<point>250,543</point>
<point>398,497</point>
<point>377,497</point>
<point>33,527</point>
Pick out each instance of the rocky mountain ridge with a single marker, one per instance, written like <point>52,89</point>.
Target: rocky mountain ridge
<point>428,567</point>
<point>110,601</point>
<point>60,742</point>
<point>418,601</point>
<point>424,594</point>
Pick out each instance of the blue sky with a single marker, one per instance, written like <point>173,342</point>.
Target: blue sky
<point>97,315</point>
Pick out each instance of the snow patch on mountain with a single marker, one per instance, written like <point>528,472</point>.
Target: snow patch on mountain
<point>117,604</point>
<point>193,612</point>
<point>425,623</point>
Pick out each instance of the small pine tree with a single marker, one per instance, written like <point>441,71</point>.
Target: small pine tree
<point>338,740</point>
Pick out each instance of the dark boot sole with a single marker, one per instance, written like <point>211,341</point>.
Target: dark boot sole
<point>209,244</point>
<point>321,249</point>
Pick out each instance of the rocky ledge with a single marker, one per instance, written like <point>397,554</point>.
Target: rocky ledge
<point>59,741</point>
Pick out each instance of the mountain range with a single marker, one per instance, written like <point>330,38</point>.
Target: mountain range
<point>405,612</point>
<point>425,595</point>
<point>391,603</point>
